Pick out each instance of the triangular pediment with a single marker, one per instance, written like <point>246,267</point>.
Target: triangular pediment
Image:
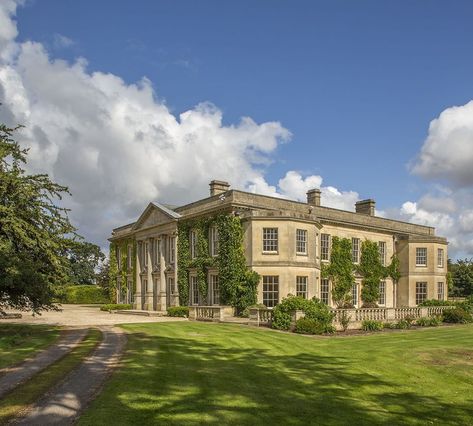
<point>155,214</point>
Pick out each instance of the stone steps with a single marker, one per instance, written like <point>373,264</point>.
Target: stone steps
<point>141,312</point>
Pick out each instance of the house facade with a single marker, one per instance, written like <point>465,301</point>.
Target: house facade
<point>285,242</point>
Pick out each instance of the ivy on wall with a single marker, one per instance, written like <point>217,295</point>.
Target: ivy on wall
<point>237,283</point>
<point>122,272</point>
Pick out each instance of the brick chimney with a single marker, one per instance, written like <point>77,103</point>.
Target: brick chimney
<point>365,207</point>
<point>313,197</point>
<point>218,187</point>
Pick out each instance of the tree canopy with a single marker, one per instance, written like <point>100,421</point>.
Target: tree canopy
<point>462,276</point>
<point>84,260</point>
<point>35,231</point>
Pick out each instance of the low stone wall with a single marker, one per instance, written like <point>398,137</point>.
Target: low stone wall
<point>210,313</point>
<point>263,317</point>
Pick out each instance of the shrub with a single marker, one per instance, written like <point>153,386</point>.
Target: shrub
<point>457,316</point>
<point>410,320</point>
<point>82,294</point>
<point>402,324</point>
<point>345,320</point>
<point>372,325</point>
<point>435,302</point>
<point>313,309</point>
<point>178,311</point>
<point>311,326</point>
<point>246,311</point>
<point>389,325</point>
<point>115,307</point>
<point>428,322</point>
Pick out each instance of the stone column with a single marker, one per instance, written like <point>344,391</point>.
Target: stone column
<point>162,277</point>
<point>149,276</point>
<point>137,301</point>
<point>175,298</point>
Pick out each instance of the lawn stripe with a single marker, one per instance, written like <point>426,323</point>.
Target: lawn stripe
<point>20,398</point>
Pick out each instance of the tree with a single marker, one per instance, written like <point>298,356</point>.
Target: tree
<point>373,272</point>
<point>340,271</point>
<point>102,277</point>
<point>34,231</point>
<point>84,259</point>
<point>462,277</point>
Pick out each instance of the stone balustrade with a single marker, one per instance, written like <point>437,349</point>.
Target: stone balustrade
<point>210,313</point>
<point>260,316</point>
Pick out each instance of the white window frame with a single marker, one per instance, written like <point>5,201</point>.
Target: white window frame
<point>214,289</point>
<point>421,256</point>
<point>440,290</point>
<point>301,286</point>
<point>354,295</point>
<point>194,285</point>
<point>421,292</point>
<point>382,252</point>
<point>355,250</point>
<point>270,240</point>
<point>325,291</point>
<point>325,243</point>
<point>382,293</point>
<point>440,258</point>
<point>301,241</point>
<point>270,290</point>
<point>172,249</point>
<point>213,241</point>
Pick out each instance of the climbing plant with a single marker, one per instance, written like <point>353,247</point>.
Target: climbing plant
<point>340,271</point>
<point>373,272</point>
<point>236,282</point>
<point>122,272</point>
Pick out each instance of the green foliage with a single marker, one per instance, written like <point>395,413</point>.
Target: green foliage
<point>428,322</point>
<point>403,324</point>
<point>34,232</point>
<point>120,275</point>
<point>345,320</point>
<point>393,269</point>
<point>457,316</point>
<point>83,294</point>
<point>84,258</point>
<point>462,276</point>
<point>340,271</point>
<point>372,325</point>
<point>246,311</point>
<point>373,272</point>
<point>313,309</point>
<point>435,302</point>
<point>311,326</point>
<point>178,311</point>
<point>115,307</point>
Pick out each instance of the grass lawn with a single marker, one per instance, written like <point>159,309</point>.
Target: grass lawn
<point>198,373</point>
<point>19,399</point>
<point>19,341</point>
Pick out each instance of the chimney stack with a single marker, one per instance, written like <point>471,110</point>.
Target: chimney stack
<point>313,197</point>
<point>218,187</point>
<point>365,207</point>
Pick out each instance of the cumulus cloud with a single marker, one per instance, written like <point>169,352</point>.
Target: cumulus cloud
<point>117,146</point>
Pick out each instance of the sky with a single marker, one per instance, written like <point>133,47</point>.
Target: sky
<point>128,102</point>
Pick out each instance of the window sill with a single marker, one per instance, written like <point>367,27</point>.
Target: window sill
<point>270,252</point>
<point>302,254</point>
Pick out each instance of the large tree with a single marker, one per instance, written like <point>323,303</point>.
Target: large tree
<point>84,261</point>
<point>462,276</point>
<point>34,231</point>
<point>340,271</point>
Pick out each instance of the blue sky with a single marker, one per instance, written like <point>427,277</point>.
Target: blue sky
<point>356,83</point>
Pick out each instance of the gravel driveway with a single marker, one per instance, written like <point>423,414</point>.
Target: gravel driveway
<point>85,315</point>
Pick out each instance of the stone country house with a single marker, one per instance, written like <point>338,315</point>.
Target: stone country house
<point>284,241</point>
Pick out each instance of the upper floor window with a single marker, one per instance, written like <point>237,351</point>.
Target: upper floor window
<point>421,256</point>
<point>325,246</point>
<point>129,256</point>
<point>193,244</point>
<point>382,293</point>
<point>118,253</point>
<point>301,287</point>
<point>172,249</point>
<point>440,258</point>
<point>146,253</point>
<point>270,239</point>
<point>382,252</point>
<point>421,292</point>
<point>301,241</point>
<point>324,291</point>
<point>213,241</point>
<point>355,250</point>
<point>157,251</point>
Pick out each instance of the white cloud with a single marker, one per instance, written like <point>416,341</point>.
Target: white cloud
<point>61,41</point>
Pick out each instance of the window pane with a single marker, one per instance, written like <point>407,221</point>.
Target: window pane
<point>421,292</point>
<point>270,290</point>
<point>325,246</point>
<point>301,287</point>
<point>270,239</point>
<point>355,250</point>
<point>382,252</point>
<point>324,291</point>
<point>301,241</point>
<point>382,293</point>
<point>421,256</point>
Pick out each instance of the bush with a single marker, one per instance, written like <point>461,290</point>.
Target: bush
<point>81,294</point>
<point>313,309</point>
<point>435,302</point>
<point>372,325</point>
<point>115,307</point>
<point>457,316</point>
<point>428,322</point>
<point>178,311</point>
<point>389,325</point>
<point>311,326</point>
<point>246,311</point>
<point>403,324</point>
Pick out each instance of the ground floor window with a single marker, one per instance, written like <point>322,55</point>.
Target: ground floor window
<point>194,290</point>
<point>214,290</point>
<point>270,290</point>
<point>421,292</point>
<point>324,291</point>
<point>171,287</point>
<point>440,291</point>
<point>382,293</point>
<point>354,295</point>
<point>301,287</point>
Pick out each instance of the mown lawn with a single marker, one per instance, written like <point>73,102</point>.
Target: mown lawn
<point>198,373</point>
<point>19,341</point>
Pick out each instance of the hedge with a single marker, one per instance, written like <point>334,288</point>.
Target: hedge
<point>82,294</point>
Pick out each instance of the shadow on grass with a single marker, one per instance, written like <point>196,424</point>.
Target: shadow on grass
<point>167,380</point>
